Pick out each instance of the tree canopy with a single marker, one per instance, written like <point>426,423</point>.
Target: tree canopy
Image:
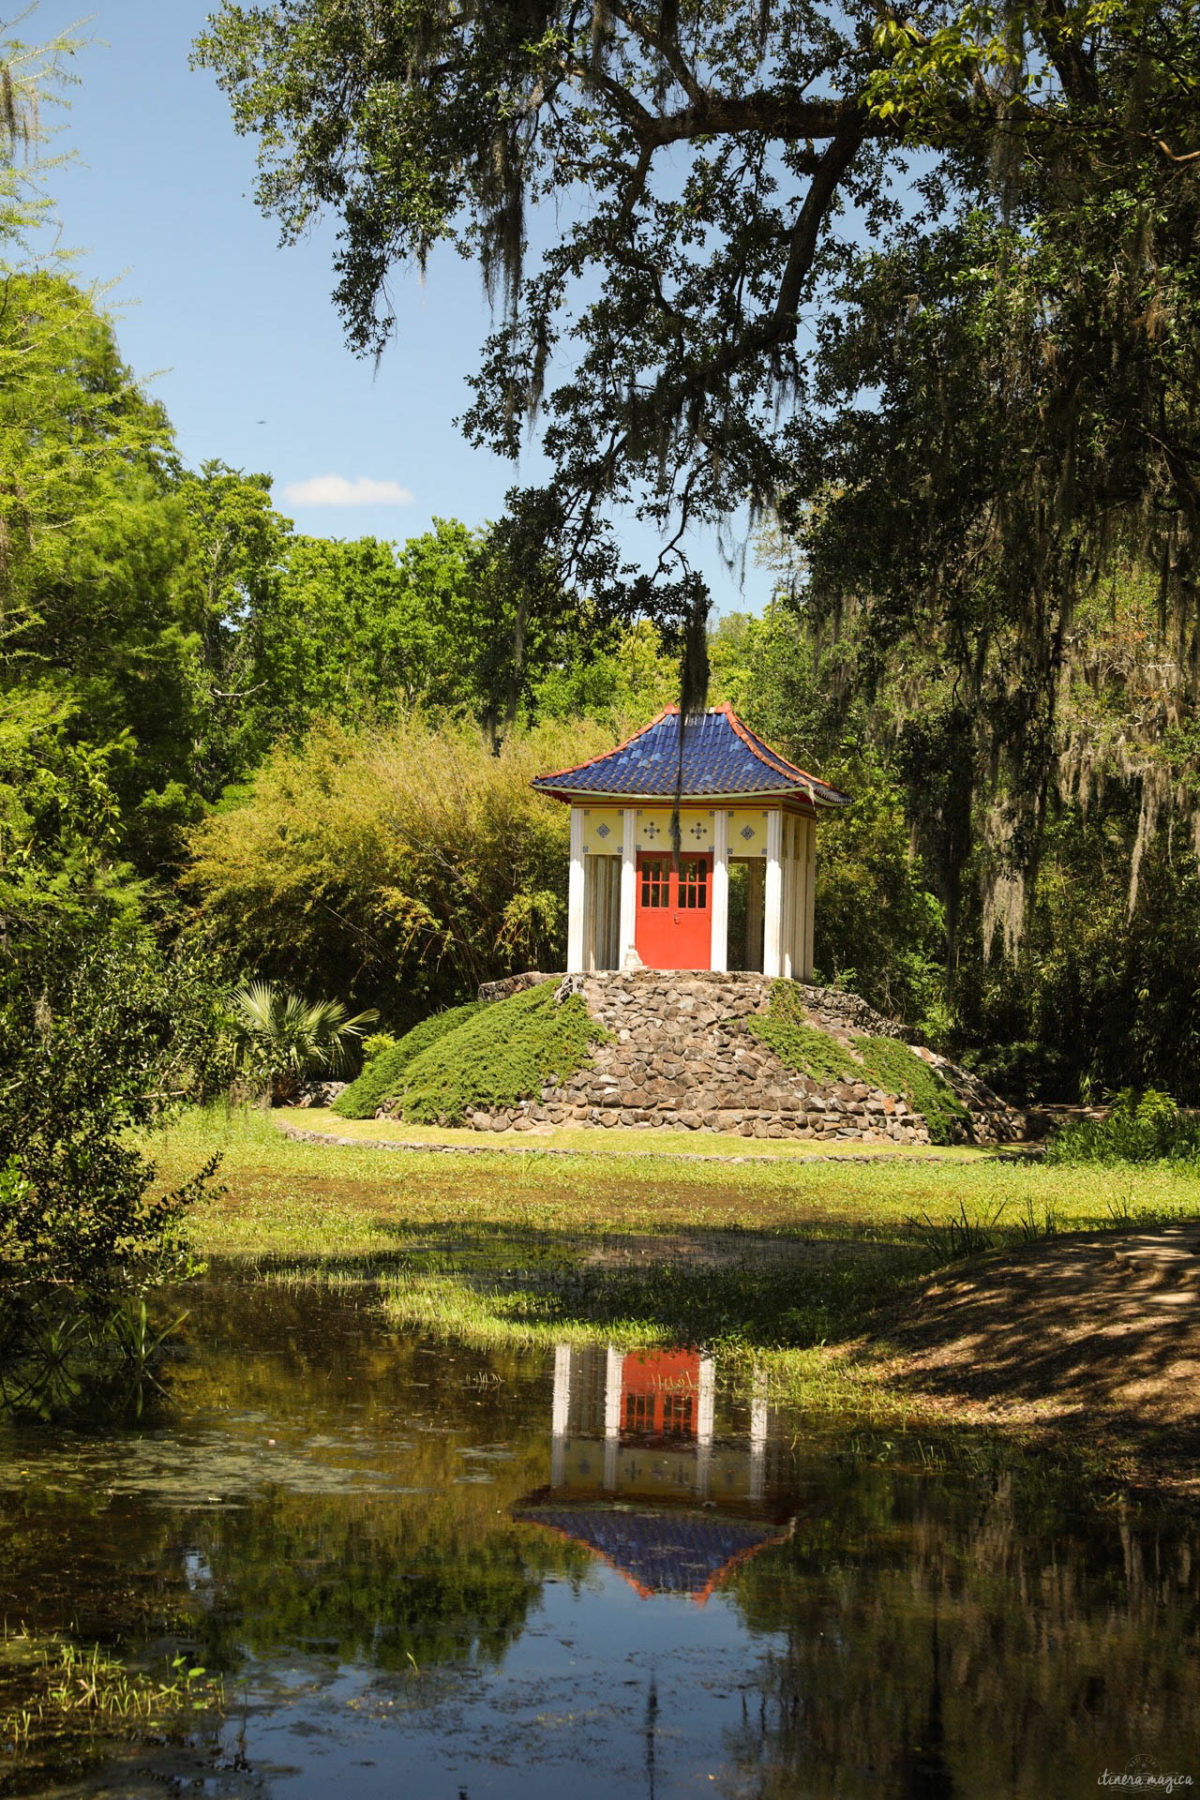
<point>718,165</point>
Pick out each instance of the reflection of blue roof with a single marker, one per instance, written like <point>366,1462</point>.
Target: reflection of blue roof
<point>720,756</point>
<point>671,1553</point>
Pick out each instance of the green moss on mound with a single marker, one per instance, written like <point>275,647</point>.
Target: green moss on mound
<point>891,1066</point>
<point>384,1073</point>
<point>803,1047</point>
<point>500,1056</point>
<point>887,1063</point>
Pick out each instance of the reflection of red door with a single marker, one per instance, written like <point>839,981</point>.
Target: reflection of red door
<point>674,911</point>
<point>659,1394</point>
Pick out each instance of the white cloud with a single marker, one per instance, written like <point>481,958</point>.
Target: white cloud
<point>335,490</point>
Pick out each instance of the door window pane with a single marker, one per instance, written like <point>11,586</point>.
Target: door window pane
<point>656,874</point>
<point>693,883</point>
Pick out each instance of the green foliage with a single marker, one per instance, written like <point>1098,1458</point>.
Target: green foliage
<point>100,1031</point>
<point>64,1356</point>
<point>91,544</point>
<point>500,1055</point>
<point>405,864</point>
<point>375,1044</point>
<point>282,1037</point>
<point>879,931</point>
<point>294,629</point>
<point>893,1067</point>
<point>230,579</point>
<point>1139,1128</point>
<point>959,1234</point>
<point>383,1074</point>
<point>64,1704</point>
<point>983,439</point>
<point>803,1047</point>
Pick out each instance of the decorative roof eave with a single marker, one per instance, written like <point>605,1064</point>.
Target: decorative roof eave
<point>793,799</point>
<point>559,1520</point>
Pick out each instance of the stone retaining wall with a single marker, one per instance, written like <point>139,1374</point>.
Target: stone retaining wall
<point>681,1055</point>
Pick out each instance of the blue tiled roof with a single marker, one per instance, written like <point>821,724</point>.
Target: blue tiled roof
<point>678,1553</point>
<point>720,756</point>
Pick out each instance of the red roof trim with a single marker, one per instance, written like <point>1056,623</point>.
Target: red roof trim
<point>765,754</point>
<point>699,1596</point>
<point>737,1561</point>
<point>769,798</point>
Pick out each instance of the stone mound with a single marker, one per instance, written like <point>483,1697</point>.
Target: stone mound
<point>681,1055</point>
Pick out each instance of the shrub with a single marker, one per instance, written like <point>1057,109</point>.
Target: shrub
<point>408,861</point>
<point>282,1038</point>
<point>100,1031</point>
<point>376,1044</point>
<point>384,1073</point>
<point>891,1066</point>
<point>500,1056</point>
<point>1140,1127</point>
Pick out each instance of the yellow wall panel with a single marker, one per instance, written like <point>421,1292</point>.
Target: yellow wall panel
<point>603,830</point>
<point>748,831</point>
<point>654,828</point>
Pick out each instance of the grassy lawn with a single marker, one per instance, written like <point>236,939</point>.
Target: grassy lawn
<point>288,1199</point>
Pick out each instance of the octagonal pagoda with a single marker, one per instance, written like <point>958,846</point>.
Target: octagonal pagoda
<point>632,903</point>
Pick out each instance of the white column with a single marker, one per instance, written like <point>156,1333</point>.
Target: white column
<point>788,932</point>
<point>758,1434</point>
<point>719,958</point>
<point>628,885</point>
<point>810,899</point>
<point>604,934</point>
<point>575,896</point>
<point>612,1417</point>
<point>773,898</point>
<point>560,1414</point>
<point>705,1411</point>
<point>803,887</point>
<point>591,909</point>
<point>799,879</point>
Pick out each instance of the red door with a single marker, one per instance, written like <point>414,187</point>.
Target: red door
<point>674,911</point>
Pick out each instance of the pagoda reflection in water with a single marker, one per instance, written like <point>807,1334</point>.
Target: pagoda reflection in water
<point>639,1474</point>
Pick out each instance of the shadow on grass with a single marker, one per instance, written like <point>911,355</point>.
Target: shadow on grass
<point>701,1286</point>
<point>726,1287</point>
<point>1105,1324</point>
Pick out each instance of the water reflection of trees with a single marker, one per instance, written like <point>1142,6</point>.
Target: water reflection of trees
<point>428,1567</point>
<point>429,1583</point>
<point>932,1647</point>
<point>323,1492</point>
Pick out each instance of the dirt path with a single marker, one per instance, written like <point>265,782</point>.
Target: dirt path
<point>1096,1334</point>
<point>532,1143</point>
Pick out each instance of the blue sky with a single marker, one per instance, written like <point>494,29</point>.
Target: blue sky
<point>240,337</point>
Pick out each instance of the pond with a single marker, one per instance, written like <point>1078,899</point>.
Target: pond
<point>441,1571</point>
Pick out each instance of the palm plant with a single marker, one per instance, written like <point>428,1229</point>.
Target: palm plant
<point>282,1037</point>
